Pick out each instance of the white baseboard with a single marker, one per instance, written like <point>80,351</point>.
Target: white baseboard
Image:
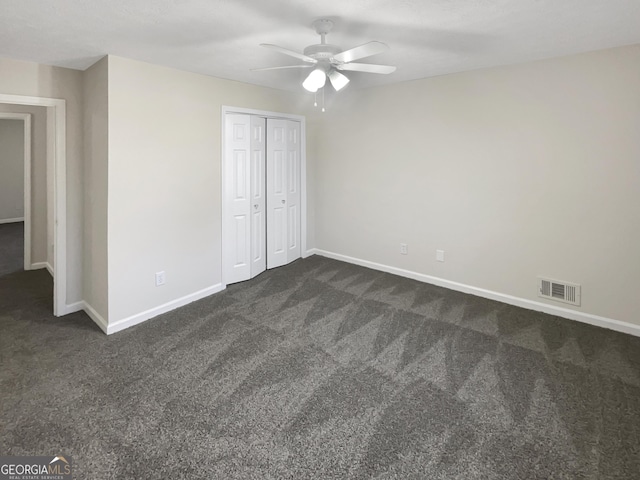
<point>11,220</point>
<point>40,265</point>
<point>72,308</point>
<point>591,319</point>
<point>154,312</point>
<point>96,317</point>
<point>140,317</point>
<point>89,310</point>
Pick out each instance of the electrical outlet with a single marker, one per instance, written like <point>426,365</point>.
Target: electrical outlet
<point>160,279</point>
<point>440,255</point>
<point>404,249</point>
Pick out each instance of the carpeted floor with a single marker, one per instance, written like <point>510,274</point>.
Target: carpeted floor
<point>320,369</point>
<point>11,247</point>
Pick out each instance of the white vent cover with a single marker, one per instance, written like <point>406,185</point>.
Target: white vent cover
<point>561,291</point>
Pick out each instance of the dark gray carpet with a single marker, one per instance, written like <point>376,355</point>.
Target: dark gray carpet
<point>11,247</point>
<point>320,369</point>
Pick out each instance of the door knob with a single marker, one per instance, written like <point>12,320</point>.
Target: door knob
<point>282,201</point>
<point>255,206</point>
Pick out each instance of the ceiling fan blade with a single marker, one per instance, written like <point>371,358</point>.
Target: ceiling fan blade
<point>291,53</point>
<point>362,51</point>
<point>280,68</point>
<point>366,67</point>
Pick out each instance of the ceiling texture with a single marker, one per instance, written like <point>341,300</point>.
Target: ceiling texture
<point>221,37</point>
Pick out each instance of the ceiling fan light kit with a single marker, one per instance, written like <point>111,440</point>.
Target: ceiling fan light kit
<point>328,60</point>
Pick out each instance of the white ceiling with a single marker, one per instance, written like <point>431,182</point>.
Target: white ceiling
<point>221,37</point>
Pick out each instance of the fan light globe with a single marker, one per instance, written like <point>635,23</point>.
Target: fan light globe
<point>338,80</point>
<point>315,80</point>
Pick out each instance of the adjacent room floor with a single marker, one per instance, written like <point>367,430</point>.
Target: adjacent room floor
<point>319,369</point>
<point>11,247</point>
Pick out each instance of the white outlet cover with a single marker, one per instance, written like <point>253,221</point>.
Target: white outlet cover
<point>440,255</point>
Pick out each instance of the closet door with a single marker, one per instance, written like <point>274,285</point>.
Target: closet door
<point>262,195</point>
<point>237,176</point>
<point>277,154</point>
<point>258,196</point>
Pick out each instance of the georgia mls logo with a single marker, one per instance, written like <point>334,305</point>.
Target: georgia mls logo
<point>63,463</point>
<point>35,468</point>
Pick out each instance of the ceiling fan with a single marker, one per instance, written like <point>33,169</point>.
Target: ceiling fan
<point>328,61</point>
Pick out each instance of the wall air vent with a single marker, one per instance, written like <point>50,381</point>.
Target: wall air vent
<point>561,291</point>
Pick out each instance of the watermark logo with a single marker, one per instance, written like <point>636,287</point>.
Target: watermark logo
<point>35,468</point>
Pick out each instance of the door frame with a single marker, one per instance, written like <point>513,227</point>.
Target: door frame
<point>25,118</point>
<point>56,163</point>
<point>303,174</point>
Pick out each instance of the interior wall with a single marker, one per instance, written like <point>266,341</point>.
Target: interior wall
<point>96,174</point>
<point>164,192</point>
<point>39,200</point>
<point>32,79</point>
<point>514,172</point>
<point>11,169</point>
<point>312,141</point>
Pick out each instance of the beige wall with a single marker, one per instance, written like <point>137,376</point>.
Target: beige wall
<point>164,195</point>
<point>32,79</point>
<point>515,172</point>
<point>96,157</point>
<point>11,169</point>
<point>313,130</point>
<point>39,206</point>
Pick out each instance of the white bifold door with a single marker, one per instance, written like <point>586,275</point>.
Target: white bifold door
<point>283,192</point>
<point>262,195</point>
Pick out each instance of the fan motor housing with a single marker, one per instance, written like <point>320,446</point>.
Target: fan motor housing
<point>322,51</point>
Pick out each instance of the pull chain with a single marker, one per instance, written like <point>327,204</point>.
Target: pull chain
<point>323,99</point>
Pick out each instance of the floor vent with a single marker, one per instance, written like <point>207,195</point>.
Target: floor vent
<point>560,291</point>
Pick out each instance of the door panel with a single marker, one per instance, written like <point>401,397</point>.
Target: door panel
<point>240,239</point>
<point>262,195</point>
<point>257,245</point>
<point>293,191</point>
<point>279,225</point>
<point>278,174</point>
<point>238,202</point>
<point>292,221</point>
<point>239,175</point>
<point>276,193</point>
<point>258,197</point>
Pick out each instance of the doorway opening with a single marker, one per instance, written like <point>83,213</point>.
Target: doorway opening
<point>15,192</point>
<point>56,191</point>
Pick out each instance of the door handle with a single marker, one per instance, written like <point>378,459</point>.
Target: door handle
<point>282,201</point>
<point>255,206</point>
